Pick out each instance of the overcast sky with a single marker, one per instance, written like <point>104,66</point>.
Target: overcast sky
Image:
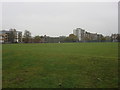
<point>60,18</point>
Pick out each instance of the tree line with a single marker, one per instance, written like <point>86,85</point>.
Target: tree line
<point>27,38</point>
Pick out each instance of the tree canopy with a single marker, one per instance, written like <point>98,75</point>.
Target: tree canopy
<point>71,38</point>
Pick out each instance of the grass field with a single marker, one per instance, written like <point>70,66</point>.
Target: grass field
<point>60,65</point>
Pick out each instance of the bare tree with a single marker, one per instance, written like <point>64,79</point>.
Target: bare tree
<point>27,36</point>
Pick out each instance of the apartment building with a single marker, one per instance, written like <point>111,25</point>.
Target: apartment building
<point>10,36</point>
<point>80,33</point>
<point>86,36</point>
<point>115,37</point>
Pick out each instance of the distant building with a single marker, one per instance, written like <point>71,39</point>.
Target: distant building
<point>99,37</point>
<point>115,37</point>
<point>10,36</point>
<point>80,33</point>
<point>86,36</point>
<point>3,37</point>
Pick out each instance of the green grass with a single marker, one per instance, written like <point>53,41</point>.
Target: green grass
<point>60,65</point>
